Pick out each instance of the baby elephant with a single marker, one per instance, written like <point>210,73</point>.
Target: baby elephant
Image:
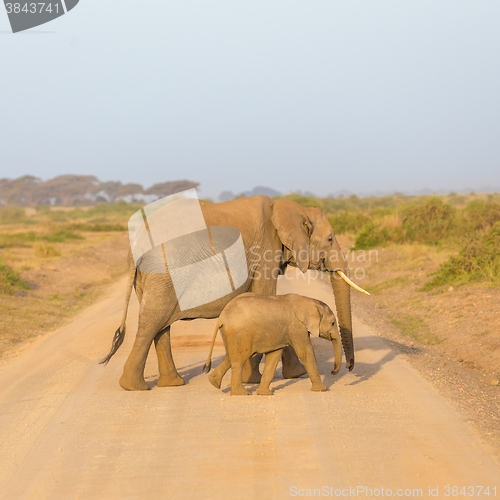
<point>252,324</point>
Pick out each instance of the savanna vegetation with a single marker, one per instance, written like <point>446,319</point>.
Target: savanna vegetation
<point>433,275</point>
<point>10,281</point>
<point>54,261</point>
<point>43,227</point>
<point>467,226</point>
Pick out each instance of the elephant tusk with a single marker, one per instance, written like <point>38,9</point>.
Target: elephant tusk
<point>346,279</point>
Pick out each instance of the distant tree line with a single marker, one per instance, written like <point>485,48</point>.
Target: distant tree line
<point>72,190</point>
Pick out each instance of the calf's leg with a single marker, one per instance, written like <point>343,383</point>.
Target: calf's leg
<point>217,375</point>
<point>271,363</point>
<point>306,355</point>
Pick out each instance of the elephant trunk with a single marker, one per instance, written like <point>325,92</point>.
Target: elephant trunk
<point>337,349</point>
<point>342,294</point>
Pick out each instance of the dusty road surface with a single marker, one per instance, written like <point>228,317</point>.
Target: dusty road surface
<point>67,430</point>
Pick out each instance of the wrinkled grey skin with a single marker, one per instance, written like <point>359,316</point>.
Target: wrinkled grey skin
<point>252,324</point>
<point>275,234</point>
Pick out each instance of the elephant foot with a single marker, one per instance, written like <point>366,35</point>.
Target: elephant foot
<point>291,366</point>
<point>214,380</point>
<point>250,374</point>
<point>170,380</point>
<point>130,384</point>
<point>295,370</point>
<point>264,392</point>
<point>240,391</point>
<point>318,387</point>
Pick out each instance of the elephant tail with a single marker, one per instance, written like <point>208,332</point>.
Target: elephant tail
<point>208,364</point>
<point>119,336</point>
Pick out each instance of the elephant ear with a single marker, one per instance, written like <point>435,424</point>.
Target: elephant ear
<point>294,228</point>
<point>308,312</point>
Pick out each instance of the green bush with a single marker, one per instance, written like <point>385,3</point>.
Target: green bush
<point>480,215</point>
<point>347,222</point>
<point>430,221</point>
<point>9,280</point>
<point>45,251</point>
<point>478,261</point>
<point>371,236</point>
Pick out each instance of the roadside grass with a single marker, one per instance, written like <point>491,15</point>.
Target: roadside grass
<point>10,281</point>
<point>418,259</point>
<point>73,280</point>
<point>387,284</point>
<point>87,250</point>
<point>415,328</point>
<point>482,334</point>
<point>28,320</point>
<point>478,261</point>
<point>415,302</point>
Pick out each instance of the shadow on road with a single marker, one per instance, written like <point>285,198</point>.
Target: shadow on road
<point>325,359</point>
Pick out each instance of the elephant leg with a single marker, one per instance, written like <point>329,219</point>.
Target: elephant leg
<point>150,323</point>
<point>133,371</point>
<point>251,373</point>
<point>168,373</point>
<point>306,355</point>
<point>264,285</point>
<point>292,367</point>
<point>217,375</point>
<point>237,388</point>
<point>272,359</point>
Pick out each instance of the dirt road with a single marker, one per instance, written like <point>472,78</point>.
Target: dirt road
<point>67,430</point>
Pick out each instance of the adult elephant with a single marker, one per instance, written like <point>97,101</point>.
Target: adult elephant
<point>275,234</point>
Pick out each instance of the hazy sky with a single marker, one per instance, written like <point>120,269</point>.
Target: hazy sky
<point>315,95</point>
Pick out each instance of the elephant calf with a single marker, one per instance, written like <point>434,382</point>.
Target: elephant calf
<point>252,324</point>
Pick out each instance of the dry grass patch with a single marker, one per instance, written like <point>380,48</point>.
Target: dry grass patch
<point>416,328</point>
<point>48,272</point>
<point>463,323</point>
<point>45,251</point>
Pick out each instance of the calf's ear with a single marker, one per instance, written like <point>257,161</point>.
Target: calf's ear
<point>307,313</point>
